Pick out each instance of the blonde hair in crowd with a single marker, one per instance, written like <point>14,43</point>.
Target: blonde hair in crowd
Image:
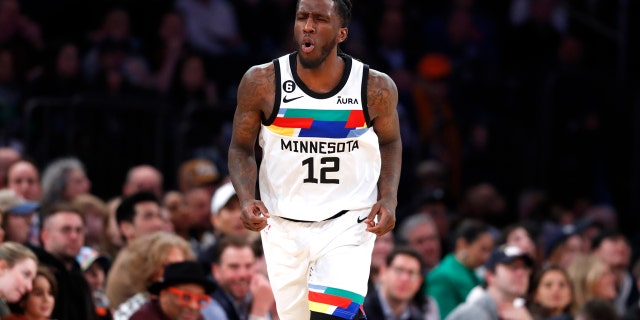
<point>135,266</point>
<point>584,272</point>
<point>13,252</point>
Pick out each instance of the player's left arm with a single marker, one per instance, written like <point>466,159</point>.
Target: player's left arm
<point>382,96</point>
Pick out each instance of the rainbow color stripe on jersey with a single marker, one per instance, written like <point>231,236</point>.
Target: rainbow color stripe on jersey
<point>314,123</point>
<point>334,301</point>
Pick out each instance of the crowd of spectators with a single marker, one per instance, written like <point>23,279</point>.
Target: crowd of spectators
<point>520,94</point>
<point>517,123</point>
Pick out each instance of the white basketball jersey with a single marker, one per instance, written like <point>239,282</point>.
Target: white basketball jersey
<point>321,155</point>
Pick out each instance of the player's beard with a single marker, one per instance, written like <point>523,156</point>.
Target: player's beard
<point>325,50</point>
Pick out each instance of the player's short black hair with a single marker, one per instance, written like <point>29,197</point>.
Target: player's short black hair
<point>343,8</point>
<point>126,209</point>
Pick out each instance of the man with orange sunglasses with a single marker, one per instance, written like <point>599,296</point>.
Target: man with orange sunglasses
<point>180,295</point>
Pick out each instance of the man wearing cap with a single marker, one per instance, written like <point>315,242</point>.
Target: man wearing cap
<point>225,212</point>
<point>198,173</point>
<point>94,268</point>
<point>507,277</point>
<point>183,291</point>
<point>16,216</point>
<point>225,218</point>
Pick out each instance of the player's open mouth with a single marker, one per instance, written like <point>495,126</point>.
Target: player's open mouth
<point>307,45</point>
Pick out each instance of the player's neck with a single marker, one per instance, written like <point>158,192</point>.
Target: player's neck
<point>325,77</point>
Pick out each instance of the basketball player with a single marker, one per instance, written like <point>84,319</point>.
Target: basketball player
<point>328,179</point>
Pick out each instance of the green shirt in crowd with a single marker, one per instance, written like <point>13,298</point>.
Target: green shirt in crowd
<point>449,283</point>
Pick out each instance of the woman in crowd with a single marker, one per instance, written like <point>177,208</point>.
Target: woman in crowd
<point>551,295</point>
<point>18,267</point>
<point>62,181</point>
<point>37,304</point>
<point>592,278</point>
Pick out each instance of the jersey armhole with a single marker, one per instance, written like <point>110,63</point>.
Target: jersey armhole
<point>276,100</point>
<point>363,87</point>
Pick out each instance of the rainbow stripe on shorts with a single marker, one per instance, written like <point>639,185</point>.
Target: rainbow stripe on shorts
<point>333,301</point>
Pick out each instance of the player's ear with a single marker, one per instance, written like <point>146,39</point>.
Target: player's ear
<point>342,34</point>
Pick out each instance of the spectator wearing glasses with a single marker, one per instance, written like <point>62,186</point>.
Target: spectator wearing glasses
<point>62,235</point>
<point>398,295</point>
<point>183,291</point>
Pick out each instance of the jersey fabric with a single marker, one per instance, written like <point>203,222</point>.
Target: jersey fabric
<point>320,154</point>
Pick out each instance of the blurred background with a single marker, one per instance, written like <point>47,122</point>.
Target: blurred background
<point>510,110</point>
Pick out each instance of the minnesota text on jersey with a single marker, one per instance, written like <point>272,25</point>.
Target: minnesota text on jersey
<point>320,147</point>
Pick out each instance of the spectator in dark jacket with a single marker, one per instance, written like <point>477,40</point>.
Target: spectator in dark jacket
<point>399,294</point>
<point>62,235</point>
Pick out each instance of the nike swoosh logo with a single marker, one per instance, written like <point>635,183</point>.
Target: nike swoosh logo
<point>285,100</point>
<point>360,220</point>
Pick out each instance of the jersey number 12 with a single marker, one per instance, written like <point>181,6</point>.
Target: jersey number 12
<point>332,165</point>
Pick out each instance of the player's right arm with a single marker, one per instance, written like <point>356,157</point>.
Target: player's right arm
<point>255,100</point>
